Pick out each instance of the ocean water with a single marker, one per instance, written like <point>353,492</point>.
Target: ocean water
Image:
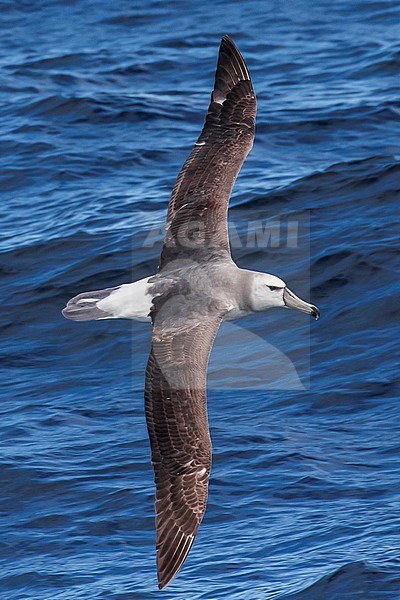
<point>100,104</point>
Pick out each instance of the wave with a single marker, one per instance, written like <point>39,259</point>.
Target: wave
<point>100,105</point>
<point>351,581</point>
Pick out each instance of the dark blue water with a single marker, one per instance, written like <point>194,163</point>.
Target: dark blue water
<point>100,103</point>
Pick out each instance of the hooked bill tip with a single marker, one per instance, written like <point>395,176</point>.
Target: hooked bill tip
<point>315,313</point>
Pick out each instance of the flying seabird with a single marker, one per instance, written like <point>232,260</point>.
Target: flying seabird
<point>196,287</point>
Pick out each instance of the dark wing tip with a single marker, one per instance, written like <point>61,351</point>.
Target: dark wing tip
<point>231,77</point>
<point>229,52</point>
<point>171,558</point>
<point>178,516</point>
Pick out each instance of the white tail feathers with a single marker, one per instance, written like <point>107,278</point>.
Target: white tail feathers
<point>127,301</point>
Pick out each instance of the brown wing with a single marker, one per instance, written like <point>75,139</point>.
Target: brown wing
<point>197,213</point>
<point>176,414</point>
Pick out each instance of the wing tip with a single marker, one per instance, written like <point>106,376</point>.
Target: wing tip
<point>227,38</point>
<point>166,572</point>
<point>229,47</point>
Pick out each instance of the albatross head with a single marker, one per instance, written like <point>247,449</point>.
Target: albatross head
<point>269,291</point>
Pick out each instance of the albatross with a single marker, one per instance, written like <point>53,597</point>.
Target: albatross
<point>196,287</point>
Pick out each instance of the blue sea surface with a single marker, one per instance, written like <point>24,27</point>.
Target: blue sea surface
<point>100,103</point>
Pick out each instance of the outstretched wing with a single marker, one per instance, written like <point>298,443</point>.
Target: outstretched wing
<point>197,213</point>
<point>176,414</point>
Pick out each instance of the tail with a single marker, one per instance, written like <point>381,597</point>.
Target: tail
<point>126,301</point>
<point>85,307</point>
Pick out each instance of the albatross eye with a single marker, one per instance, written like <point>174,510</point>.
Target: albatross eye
<point>273,288</point>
